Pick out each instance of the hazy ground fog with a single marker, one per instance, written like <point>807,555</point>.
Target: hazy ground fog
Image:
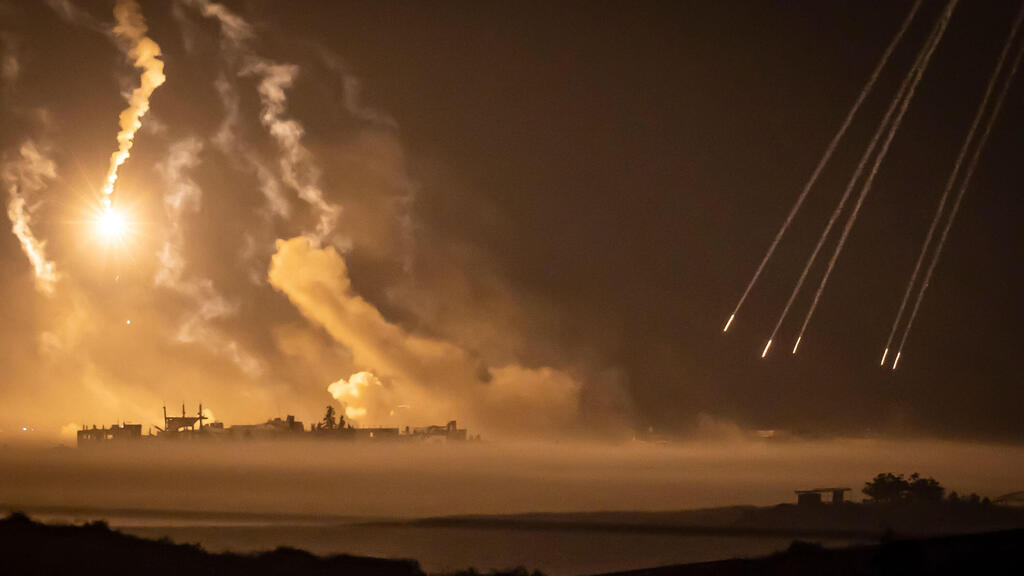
<point>421,480</point>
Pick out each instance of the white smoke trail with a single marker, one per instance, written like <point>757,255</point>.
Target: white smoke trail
<point>131,27</point>
<point>298,170</point>
<point>826,157</point>
<point>968,174</point>
<point>184,197</point>
<point>23,176</point>
<point>866,188</point>
<point>897,99</point>
<point>227,140</point>
<point>982,107</point>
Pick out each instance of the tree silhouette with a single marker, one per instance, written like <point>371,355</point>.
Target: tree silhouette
<point>329,423</point>
<point>924,489</point>
<point>886,487</point>
<point>890,488</point>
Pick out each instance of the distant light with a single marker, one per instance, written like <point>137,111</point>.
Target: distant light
<point>127,322</point>
<point>766,347</point>
<point>24,429</point>
<point>728,323</point>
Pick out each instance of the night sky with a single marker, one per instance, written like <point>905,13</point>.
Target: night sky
<point>544,215</point>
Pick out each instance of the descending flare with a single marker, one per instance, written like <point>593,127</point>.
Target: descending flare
<point>766,347</point>
<point>726,329</point>
<point>978,145</point>
<point>131,27</point>
<point>826,156</point>
<point>797,345</point>
<point>888,127</point>
<point>897,360</point>
<point>884,354</point>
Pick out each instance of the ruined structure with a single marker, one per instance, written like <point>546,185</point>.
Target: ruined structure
<point>186,427</point>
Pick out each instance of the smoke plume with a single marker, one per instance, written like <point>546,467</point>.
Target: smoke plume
<point>413,379</point>
<point>184,197</point>
<point>24,176</point>
<point>131,27</point>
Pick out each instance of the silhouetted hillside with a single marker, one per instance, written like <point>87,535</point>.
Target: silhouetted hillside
<point>28,547</point>
<point>32,548</point>
<point>994,553</point>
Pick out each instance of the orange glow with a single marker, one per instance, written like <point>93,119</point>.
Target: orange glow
<point>111,225</point>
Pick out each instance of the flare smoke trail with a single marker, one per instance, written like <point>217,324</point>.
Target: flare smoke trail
<point>925,52</point>
<point>298,169</point>
<point>23,176</point>
<point>146,54</point>
<point>982,107</point>
<point>826,157</point>
<point>866,188</point>
<point>959,197</point>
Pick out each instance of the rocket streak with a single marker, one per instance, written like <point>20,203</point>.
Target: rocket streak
<point>826,156</point>
<point>963,185</point>
<point>766,347</point>
<point>731,317</point>
<point>982,107</point>
<point>131,27</point>
<point>869,181</point>
<point>897,99</point>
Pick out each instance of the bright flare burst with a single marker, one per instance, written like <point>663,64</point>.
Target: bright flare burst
<point>111,225</point>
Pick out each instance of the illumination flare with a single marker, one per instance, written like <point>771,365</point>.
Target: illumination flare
<point>766,347</point>
<point>731,317</point>
<point>797,345</point>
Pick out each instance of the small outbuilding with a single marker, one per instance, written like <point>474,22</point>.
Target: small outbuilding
<point>813,497</point>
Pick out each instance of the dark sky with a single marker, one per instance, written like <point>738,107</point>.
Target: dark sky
<point>581,186</point>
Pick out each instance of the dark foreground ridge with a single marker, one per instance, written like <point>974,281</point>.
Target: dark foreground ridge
<point>28,547</point>
<point>991,553</point>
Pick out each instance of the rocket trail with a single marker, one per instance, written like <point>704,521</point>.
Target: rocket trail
<point>866,188</point>
<point>131,27</point>
<point>1000,62</point>
<point>766,347</point>
<point>968,174</point>
<point>826,156</point>
<point>904,85</point>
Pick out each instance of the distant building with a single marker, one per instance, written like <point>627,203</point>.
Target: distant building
<point>187,427</point>
<point>276,428</point>
<point>813,497</point>
<point>182,426</point>
<point>372,433</point>
<point>116,433</point>
<point>450,431</point>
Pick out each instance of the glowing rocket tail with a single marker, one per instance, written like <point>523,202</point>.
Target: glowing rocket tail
<point>797,345</point>
<point>728,323</point>
<point>766,347</point>
<point>884,354</point>
<point>897,360</point>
